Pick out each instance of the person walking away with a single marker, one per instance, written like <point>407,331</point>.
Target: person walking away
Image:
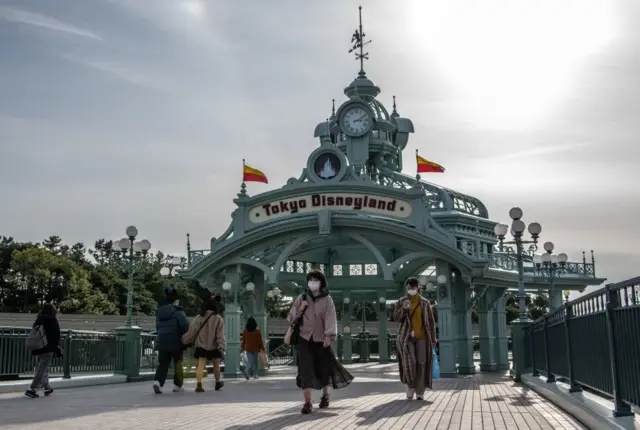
<point>252,344</point>
<point>207,334</point>
<point>415,340</point>
<point>171,324</point>
<point>47,319</point>
<point>318,367</point>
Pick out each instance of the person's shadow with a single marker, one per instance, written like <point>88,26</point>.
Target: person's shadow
<point>288,417</point>
<point>395,408</point>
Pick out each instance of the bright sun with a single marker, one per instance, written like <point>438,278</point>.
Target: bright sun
<point>509,59</point>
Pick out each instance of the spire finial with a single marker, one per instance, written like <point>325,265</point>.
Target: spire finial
<point>358,43</point>
<point>188,242</point>
<point>395,111</point>
<point>333,108</point>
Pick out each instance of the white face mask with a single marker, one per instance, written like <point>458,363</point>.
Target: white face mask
<point>176,303</point>
<point>412,292</point>
<point>314,285</point>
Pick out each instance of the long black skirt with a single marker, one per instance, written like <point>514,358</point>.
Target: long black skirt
<point>318,367</point>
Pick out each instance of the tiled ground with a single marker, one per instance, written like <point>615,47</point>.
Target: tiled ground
<point>375,400</point>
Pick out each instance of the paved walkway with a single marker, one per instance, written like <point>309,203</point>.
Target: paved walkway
<point>375,400</point>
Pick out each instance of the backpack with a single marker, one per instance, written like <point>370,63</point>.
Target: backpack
<point>37,338</point>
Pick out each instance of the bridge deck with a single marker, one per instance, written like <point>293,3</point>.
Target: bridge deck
<point>375,400</point>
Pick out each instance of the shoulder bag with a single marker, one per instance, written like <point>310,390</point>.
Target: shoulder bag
<point>190,344</point>
<point>293,332</point>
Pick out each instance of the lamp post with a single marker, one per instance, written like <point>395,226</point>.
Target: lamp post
<point>566,293</point>
<point>428,288</point>
<point>172,265</point>
<point>233,324</point>
<point>518,326</point>
<point>550,266</point>
<point>133,253</point>
<point>517,229</point>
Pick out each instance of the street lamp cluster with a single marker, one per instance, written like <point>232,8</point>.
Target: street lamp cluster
<point>132,253</point>
<point>549,266</point>
<point>428,287</point>
<point>172,266</point>
<point>517,230</point>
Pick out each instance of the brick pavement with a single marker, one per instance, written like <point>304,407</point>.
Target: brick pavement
<point>375,400</point>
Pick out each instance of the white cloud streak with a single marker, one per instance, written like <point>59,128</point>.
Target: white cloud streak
<point>38,20</point>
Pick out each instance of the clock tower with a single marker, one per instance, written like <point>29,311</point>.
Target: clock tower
<point>362,128</point>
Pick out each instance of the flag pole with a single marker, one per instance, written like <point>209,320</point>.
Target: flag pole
<point>417,167</point>
<point>243,186</point>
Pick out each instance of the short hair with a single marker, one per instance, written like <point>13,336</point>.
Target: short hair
<point>171,293</point>
<point>413,282</point>
<point>317,274</point>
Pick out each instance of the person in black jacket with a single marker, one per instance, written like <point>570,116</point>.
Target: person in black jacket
<point>171,324</point>
<point>47,319</point>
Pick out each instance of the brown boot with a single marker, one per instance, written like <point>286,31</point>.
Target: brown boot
<point>324,401</point>
<point>307,408</point>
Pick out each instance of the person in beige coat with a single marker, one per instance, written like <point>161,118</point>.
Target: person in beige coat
<point>207,334</point>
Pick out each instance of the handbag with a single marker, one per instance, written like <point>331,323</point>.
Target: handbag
<point>293,332</point>
<point>263,359</point>
<point>187,345</point>
<point>37,338</point>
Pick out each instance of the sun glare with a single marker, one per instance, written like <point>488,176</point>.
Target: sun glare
<point>511,59</point>
<point>194,7</point>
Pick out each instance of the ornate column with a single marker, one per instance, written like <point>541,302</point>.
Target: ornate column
<point>484,309</point>
<point>464,335</point>
<point>446,323</point>
<point>383,340</point>
<point>501,343</point>
<point>232,325</point>
<point>347,341</point>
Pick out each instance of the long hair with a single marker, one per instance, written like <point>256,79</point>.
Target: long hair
<point>208,305</point>
<point>251,324</point>
<point>318,276</point>
<point>48,310</point>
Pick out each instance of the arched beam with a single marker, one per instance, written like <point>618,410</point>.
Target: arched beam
<point>253,263</point>
<point>284,255</point>
<point>382,262</point>
<point>408,258</point>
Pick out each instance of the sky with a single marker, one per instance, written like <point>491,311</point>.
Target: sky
<point>120,112</point>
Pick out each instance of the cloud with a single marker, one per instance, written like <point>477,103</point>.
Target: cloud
<point>534,152</point>
<point>38,20</point>
<point>119,71</point>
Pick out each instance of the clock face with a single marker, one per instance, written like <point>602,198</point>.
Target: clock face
<point>356,121</point>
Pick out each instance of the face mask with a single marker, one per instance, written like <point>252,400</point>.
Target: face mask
<point>412,292</point>
<point>176,303</point>
<point>314,285</point>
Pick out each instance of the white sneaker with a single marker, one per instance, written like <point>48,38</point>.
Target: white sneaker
<point>157,388</point>
<point>177,389</point>
<point>410,393</point>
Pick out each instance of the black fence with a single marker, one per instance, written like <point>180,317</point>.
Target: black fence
<point>592,342</point>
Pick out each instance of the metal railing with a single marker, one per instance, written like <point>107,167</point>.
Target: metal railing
<point>83,351</point>
<point>592,342</point>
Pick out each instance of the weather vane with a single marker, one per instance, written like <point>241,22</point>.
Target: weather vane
<point>358,44</point>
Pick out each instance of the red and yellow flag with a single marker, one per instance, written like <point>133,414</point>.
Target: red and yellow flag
<point>249,174</point>
<point>426,166</point>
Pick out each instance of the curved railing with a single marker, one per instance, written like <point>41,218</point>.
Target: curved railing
<point>593,342</point>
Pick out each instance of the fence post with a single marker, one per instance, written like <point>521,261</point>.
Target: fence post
<point>550,376</point>
<point>573,385</point>
<point>532,336</point>
<point>66,358</point>
<point>620,408</point>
